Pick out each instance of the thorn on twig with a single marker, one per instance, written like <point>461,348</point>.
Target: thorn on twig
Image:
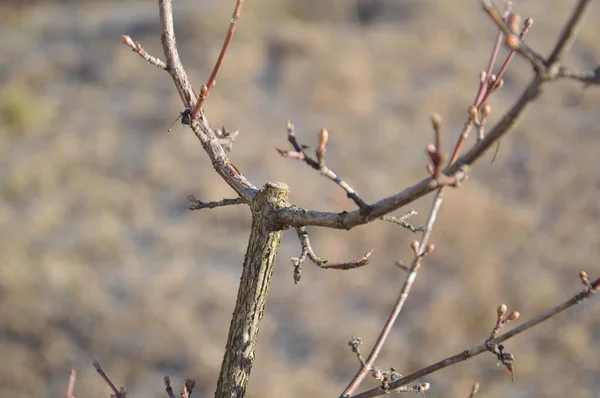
<point>307,251</point>
<point>196,204</point>
<point>120,393</point>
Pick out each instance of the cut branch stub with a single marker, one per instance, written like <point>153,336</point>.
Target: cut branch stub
<point>253,290</point>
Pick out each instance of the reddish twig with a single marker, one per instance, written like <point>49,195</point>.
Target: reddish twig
<point>590,290</point>
<point>210,84</point>
<point>420,249</point>
<point>71,386</point>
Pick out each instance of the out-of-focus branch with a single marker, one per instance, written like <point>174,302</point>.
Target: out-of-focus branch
<point>71,386</point>
<point>588,77</point>
<point>474,390</point>
<point>120,393</point>
<point>568,33</point>
<point>590,290</point>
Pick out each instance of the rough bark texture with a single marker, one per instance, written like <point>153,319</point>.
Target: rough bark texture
<point>253,291</point>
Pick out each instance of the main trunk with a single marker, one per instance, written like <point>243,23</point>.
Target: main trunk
<point>252,293</point>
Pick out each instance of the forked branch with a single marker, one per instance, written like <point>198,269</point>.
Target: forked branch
<point>590,290</point>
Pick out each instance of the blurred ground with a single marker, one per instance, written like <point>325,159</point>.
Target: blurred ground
<point>100,258</point>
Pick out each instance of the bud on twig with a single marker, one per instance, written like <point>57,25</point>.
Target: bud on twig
<point>414,245</point>
<point>512,42</point>
<point>513,316</point>
<point>128,41</point>
<point>486,110</point>
<point>502,310</point>
<point>514,23</point>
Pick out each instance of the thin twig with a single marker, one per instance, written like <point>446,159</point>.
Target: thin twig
<point>307,251</point>
<point>117,393</point>
<point>195,204</point>
<point>420,249</point>
<point>536,60</point>
<point>210,84</point>
<point>207,136</point>
<point>137,48</point>
<point>590,291</point>
<point>319,164</point>
<point>568,33</point>
<point>588,77</point>
<point>71,386</point>
<point>401,221</point>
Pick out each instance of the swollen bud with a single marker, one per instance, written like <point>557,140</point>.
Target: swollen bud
<point>502,310</point>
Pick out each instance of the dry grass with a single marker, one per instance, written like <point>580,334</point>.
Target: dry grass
<point>100,257</point>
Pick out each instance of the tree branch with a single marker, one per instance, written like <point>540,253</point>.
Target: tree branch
<point>568,33</point>
<point>590,291</point>
<point>208,138</point>
<point>307,251</point>
<point>420,250</point>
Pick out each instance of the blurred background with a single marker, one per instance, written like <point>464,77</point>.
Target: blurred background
<point>100,258</point>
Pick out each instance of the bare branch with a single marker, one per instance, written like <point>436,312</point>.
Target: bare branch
<point>568,33</point>
<point>117,393</point>
<point>588,77</point>
<point>420,249</point>
<point>307,251</point>
<point>588,292</point>
<point>319,164</point>
<point>210,84</point>
<point>513,40</point>
<point>195,204</point>
<point>137,48</point>
<point>209,139</point>
<point>401,221</point>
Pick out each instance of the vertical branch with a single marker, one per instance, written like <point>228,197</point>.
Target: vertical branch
<point>253,291</point>
<point>420,249</point>
<point>210,84</point>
